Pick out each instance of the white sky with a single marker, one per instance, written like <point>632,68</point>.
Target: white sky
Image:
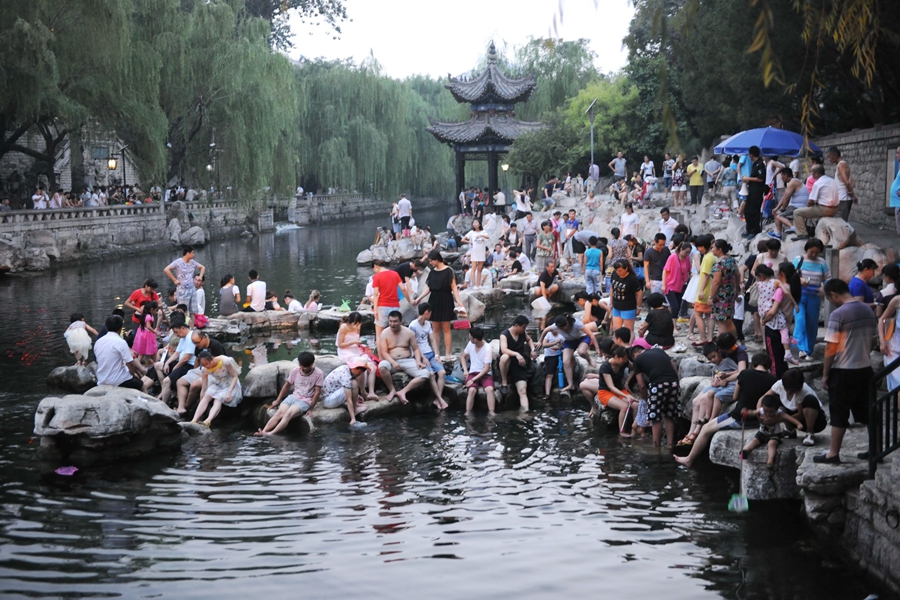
<point>435,38</point>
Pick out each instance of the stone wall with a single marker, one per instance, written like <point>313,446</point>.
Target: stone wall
<point>219,218</point>
<point>338,207</point>
<point>870,153</point>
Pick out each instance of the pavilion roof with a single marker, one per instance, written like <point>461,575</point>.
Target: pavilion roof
<point>481,127</point>
<point>491,85</point>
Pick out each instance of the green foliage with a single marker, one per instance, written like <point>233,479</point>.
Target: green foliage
<point>550,151</point>
<point>612,128</point>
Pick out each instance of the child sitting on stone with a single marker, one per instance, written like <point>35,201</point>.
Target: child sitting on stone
<point>298,395</point>
<point>771,428</point>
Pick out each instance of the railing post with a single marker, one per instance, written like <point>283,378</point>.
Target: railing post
<point>873,426</point>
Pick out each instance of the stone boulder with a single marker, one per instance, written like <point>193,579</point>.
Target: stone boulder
<point>835,232</point>
<point>693,367</point>
<point>223,328</point>
<point>271,320</point>
<point>44,241</point>
<point>12,255</point>
<point>177,210</point>
<point>365,257</point>
<point>74,378</point>
<point>474,307</point>
<point>36,259</point>
<point>265,381</point>
<point>759,483</point>
<point>194,236</point>
<point>173,231</point>
<point>106,424</point>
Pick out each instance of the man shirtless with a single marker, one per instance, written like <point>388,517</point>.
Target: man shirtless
<point>399,352</point>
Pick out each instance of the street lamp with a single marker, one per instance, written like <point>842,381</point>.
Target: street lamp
<point>505,167</point>
<point>113,164</point>
<point>590,112</point>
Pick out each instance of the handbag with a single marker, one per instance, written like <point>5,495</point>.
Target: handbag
<point>201,321</point>
<point>753,295</point>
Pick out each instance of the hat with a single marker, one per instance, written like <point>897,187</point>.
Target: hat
<point>641,343</point>
<point>357,362</point>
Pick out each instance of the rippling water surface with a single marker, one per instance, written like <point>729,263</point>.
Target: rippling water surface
<point>425,506</point>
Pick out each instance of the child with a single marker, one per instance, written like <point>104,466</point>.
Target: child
<point>790,296</point>
<point>145,344</point>
<point>592,268</point>
<point>738,318</point>
<point>427,341</point>
<point>610,394</point>
<point>78,338</point>
<point>771,295</point>
<point>480,359</point>
<point>198,300</point>
<point>658,328</point>
<point>299,393</point>
<point>708,403</point>
<point>771,430</point>
<point>552,343</point>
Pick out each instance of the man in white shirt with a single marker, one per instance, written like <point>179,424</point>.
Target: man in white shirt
<point>38,199</point>
<point>667,225</point>
<point>405,208</point>
<point>844,181</point>
<point>823,202</point>
<point>256,293</point>
<point>773,168</point>
<point>500,202</point>
<point>115,364</point>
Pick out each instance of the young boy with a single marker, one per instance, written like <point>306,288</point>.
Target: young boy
<point>552,343</point>
<point>427,341</point>
<point>480,358</point>
<point>610,394</point>
<point>304,384</point>
<point>771,417</point>
<point>707,404</point>
<point>593,267</point>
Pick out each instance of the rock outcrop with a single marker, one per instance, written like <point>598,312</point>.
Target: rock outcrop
<point>74,378</point>
<point>106,424</point>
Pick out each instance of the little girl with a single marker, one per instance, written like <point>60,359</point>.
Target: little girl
<point>78,338</point>
<point>145,344</point>
<point>552,344</point>
<point>771,429</point>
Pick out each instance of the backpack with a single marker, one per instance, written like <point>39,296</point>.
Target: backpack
<point>796,286</point>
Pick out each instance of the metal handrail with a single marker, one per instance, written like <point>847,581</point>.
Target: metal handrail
<point>884,419</point>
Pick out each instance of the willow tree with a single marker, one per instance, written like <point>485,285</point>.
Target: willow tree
<point>53,82</point>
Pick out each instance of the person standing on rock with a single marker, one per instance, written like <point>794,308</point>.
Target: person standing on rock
<point>529,235</point>
<point>756,186</point>
<point>146,293</point>
<point>384,294</point>
<point>845,183</point>
<point>184,268</point>
<point>441,284</point>
<point>657,378</point>
<point>297,396</point>
<point>627,295</point>
<point>848,369</point>
<point>115,364</point>
<point>516,351</point>
<point>399,352</point>
<point>655,259</point>
<point>618,166</point>
<point>404,210</point>
<point>812,272</point>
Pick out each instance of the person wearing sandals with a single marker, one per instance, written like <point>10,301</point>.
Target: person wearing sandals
<point>752,384</point>
<point>610,382</point>
<point>515,359</point>
<point>707,403</point>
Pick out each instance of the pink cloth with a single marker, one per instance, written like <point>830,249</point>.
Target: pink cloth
<point>145,343</point>
<point>676,273</point>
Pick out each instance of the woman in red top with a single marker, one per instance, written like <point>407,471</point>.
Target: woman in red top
<point>676,274</point>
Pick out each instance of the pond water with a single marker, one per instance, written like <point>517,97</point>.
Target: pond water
<point>433,505</point>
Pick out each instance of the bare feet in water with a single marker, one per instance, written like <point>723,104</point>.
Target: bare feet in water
<point>683,460</point>
<point>402,397</point>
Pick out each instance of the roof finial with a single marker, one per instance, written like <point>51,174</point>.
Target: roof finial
<point>492,54</point>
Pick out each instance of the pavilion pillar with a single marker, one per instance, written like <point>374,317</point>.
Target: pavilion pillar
<point>492,174</point>
<point>460,178</point>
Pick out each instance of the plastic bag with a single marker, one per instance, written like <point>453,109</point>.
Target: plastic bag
<point>457,375</point>
<point>345,306</point>
<point>541,303</point>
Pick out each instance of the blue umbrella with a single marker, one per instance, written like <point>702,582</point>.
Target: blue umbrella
<point>771,142</point>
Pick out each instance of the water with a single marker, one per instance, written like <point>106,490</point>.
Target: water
<point>430,505</point>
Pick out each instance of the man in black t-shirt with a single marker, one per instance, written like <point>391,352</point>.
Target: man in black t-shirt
<point>547,285</point>
<point>407,271</point>
<point>658,378</point>
<point>756,185</point>
<point>752,384</point>
<point>655,262</point>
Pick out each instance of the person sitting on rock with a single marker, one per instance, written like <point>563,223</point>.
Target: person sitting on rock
<point>115,364</point>
<point>342,386</point>
<point>477,370</point>
<point>297,396</point>
<point>547,282</point>
<point>771,429</point>
<point>189,386</point>
<point>516,351</point>
<point>399,351</point>
<point>180,362</point>
<point>576,340</point>
<point>221,386</point>
<point>720,391</point>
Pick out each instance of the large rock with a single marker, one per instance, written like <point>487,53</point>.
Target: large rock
<point>264,381</point>
<point>271,320</point>
<point>194,236</point>
<point>693,367</point>
<point>835,232</point>
<point>474,307</point>
<point>759,483</point>
<point>74,378</point>
<point>177,210</point>
<point>12,255</point>
<point>173,231</point>
<point>44,241</point>
<point>222,328</point>
<point>106,424</point>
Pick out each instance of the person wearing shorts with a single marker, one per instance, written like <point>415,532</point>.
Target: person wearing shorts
<point>297,396</point>
<point>476,362</point>
<point>399,351</point>
<point>385,299</point>
<point>426,339</point>
<point>658,379</point>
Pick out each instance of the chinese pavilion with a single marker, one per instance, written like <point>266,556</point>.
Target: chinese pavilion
<point>493,127</point>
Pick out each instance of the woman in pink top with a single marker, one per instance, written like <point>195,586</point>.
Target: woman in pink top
<point>675,276</point>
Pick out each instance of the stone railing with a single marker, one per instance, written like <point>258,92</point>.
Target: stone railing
<point>89,212</point>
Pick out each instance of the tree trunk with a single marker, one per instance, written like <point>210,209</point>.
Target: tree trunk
<point>76,162</point>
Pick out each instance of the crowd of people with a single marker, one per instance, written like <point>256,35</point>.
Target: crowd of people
<point>95,196</point>
<point>686,284</point>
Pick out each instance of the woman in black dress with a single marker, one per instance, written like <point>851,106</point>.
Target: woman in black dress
<point>441,284</point>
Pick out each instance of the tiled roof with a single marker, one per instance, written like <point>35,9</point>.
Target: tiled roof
<point>492,85</point>
<point>484,126</point>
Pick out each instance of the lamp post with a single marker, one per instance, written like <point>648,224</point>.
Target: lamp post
<point>590,113</point>
<point>113,164</point>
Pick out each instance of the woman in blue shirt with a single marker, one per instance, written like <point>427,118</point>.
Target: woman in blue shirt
<point>859,284</point>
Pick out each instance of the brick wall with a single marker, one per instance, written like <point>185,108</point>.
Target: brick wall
<point>870,154</point>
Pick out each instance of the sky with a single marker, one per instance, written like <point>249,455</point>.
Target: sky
<point>409,37</point>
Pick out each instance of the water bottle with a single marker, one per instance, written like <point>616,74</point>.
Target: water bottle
<point>560,376</point>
